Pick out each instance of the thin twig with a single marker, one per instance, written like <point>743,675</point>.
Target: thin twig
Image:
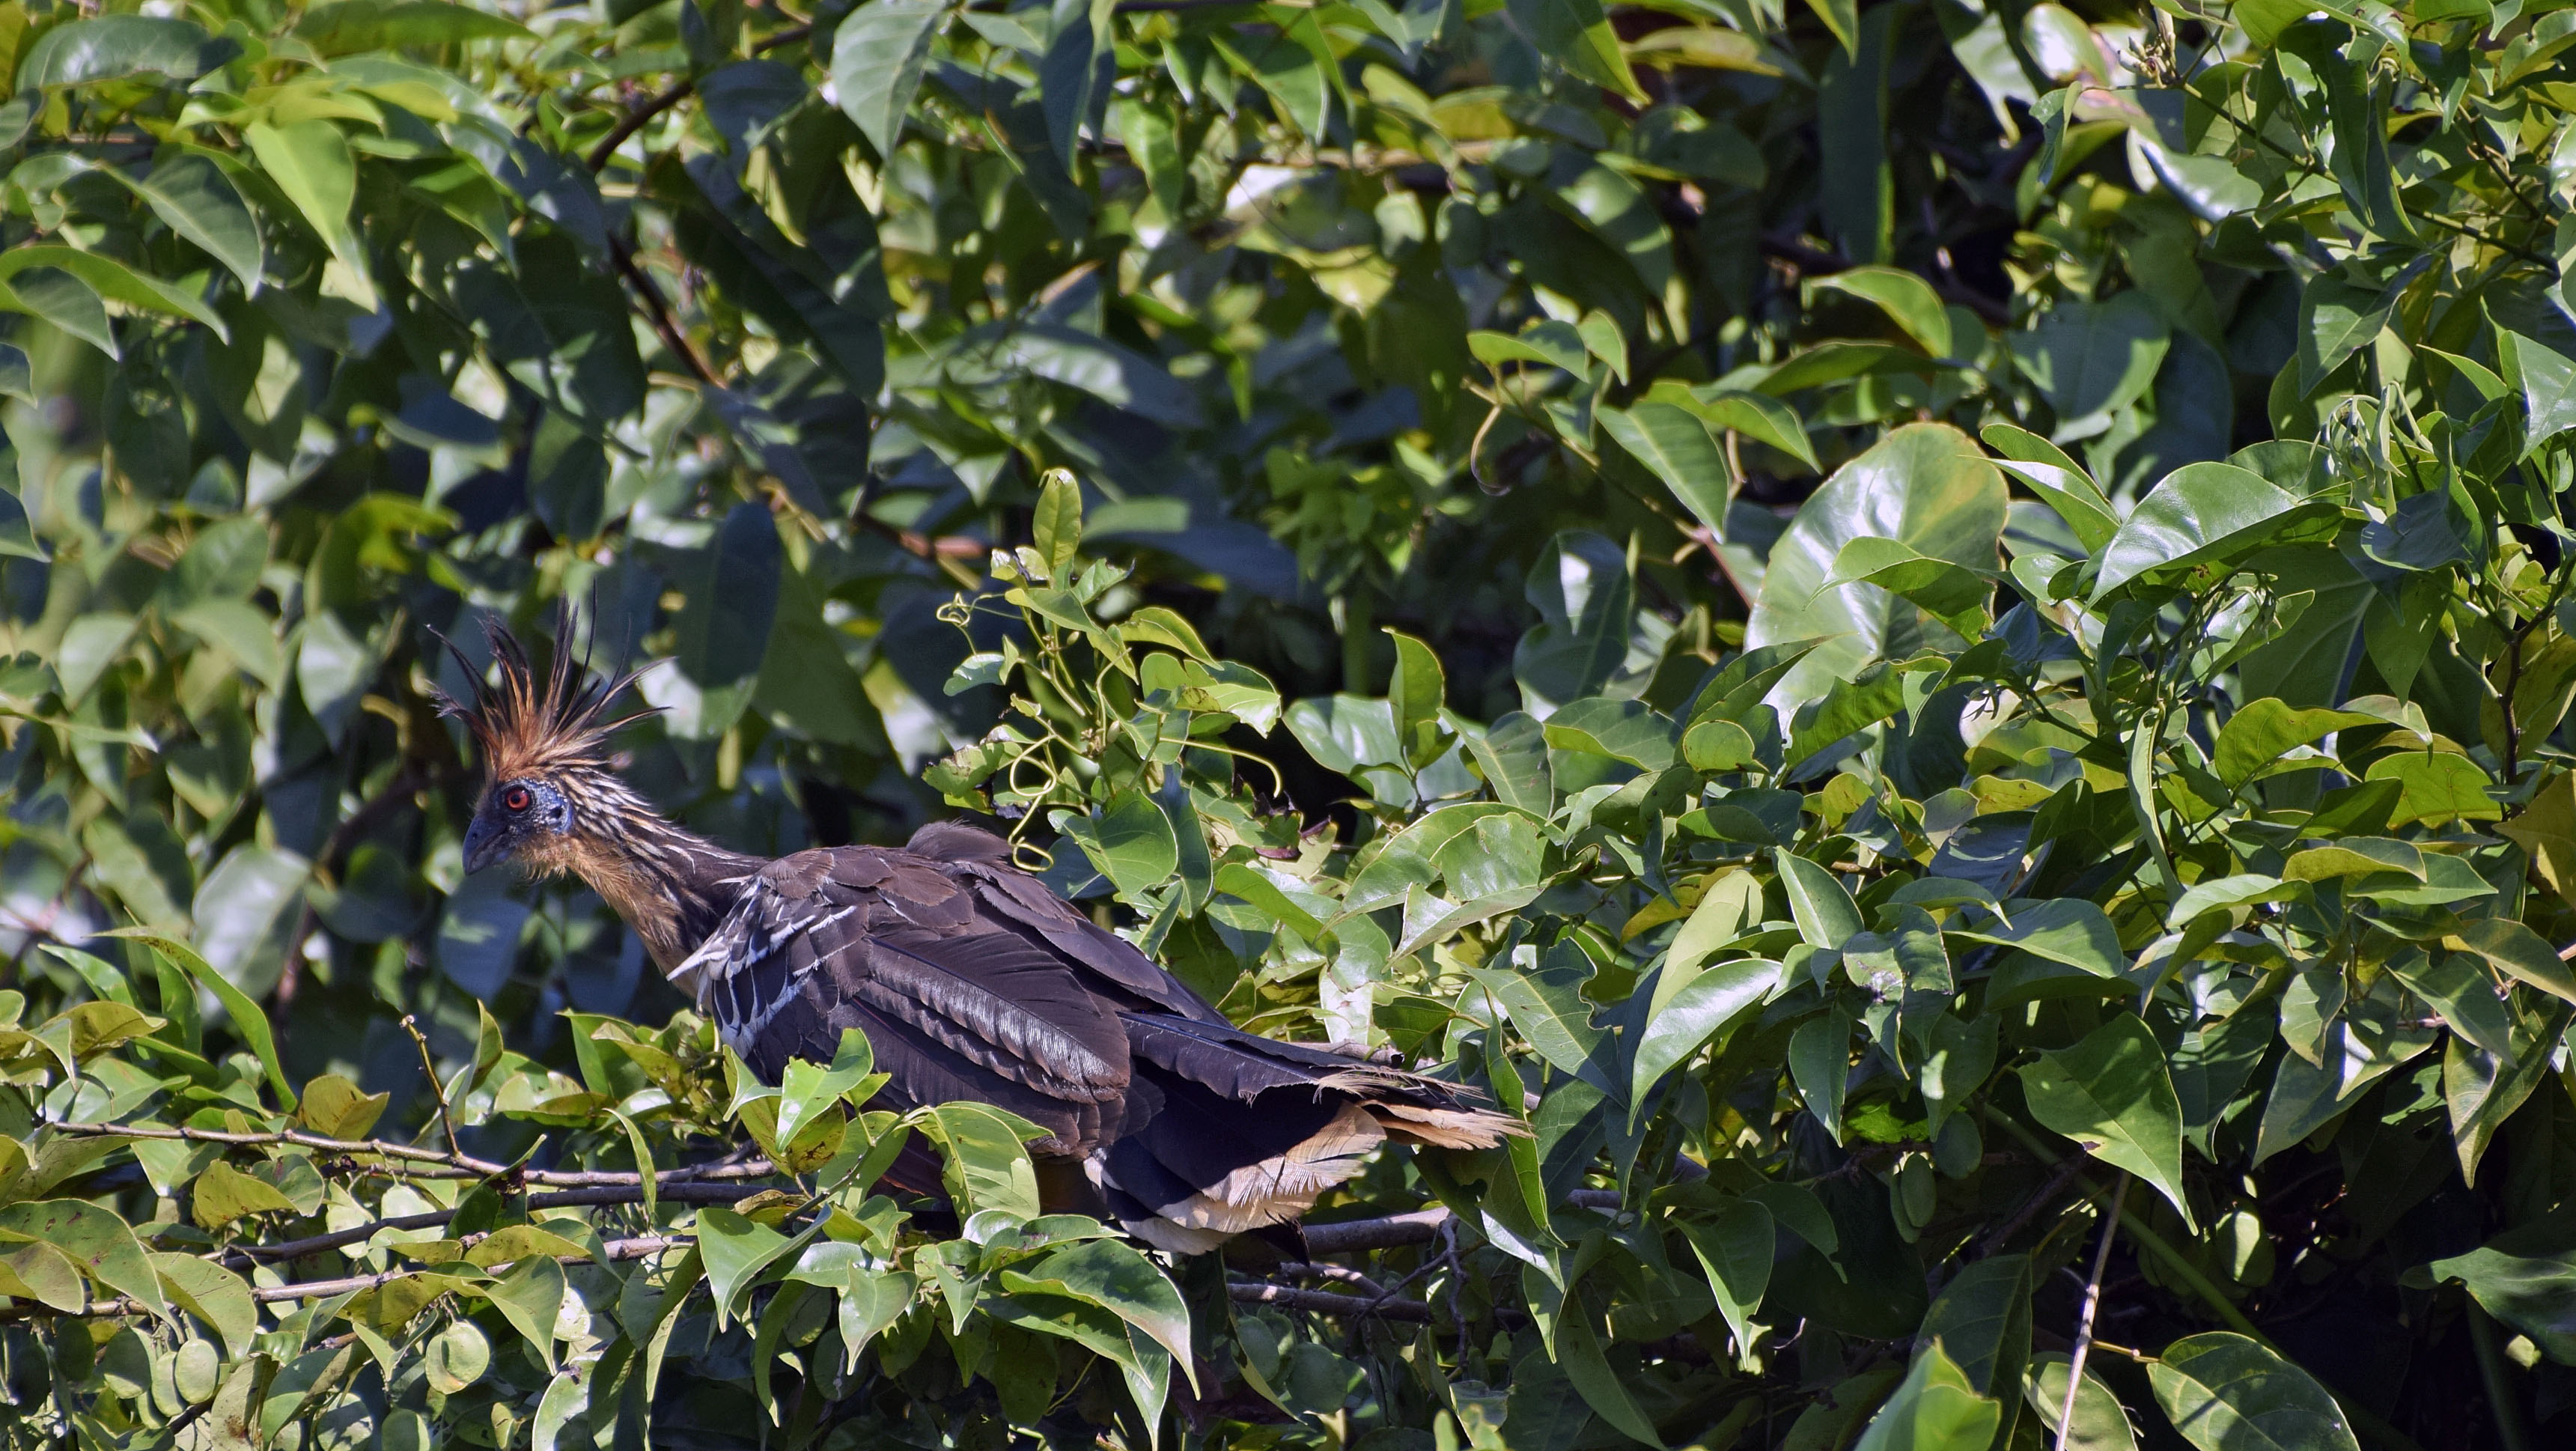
<point>658,310</point>
<point>437,1090</point>
<point>2084,1319</point>
<point>634,121</point>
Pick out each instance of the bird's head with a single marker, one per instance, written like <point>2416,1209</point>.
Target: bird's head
<point>549,782</point>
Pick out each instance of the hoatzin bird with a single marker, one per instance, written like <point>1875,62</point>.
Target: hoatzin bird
<point>970,979</point>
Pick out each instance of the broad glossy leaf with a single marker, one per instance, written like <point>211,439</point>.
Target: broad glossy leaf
<point>2112,1090</point>
<point>2101,1423</point>
<point>1927,487</point>
<point>531,1297</point>
<point>2526,1277</point>
<point>1981,1321</point>
<point>108,46</point>
<point>1907,299</point>
<point>1577,35</point>
<point>2204,512</point>
<point>2226,1392</point>
<point>1675,447</point>
<point>2091,358</point>
<point>1935,1408</point>
<point>2267,729</point>
<point>988,1158</point>
<point>2062,929</point>
<point>1117,1278</point>
<point>310,162</point>
<point>1823,906</point>
<point>1734,1246</point>
<point>2436,787</point>
<point>2521,953</point>
<point>1717,997</point>
<point>97,1240</point>
<point>247,1018</point>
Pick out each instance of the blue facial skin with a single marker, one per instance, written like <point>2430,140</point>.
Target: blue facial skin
<point>514,814</point>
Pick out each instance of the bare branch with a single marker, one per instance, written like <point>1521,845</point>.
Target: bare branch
<point>463,1163</point>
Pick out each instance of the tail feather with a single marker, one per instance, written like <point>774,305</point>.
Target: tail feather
<point>1246,1131</point>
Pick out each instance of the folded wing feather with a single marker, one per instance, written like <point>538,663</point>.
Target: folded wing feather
<point>972,981</point>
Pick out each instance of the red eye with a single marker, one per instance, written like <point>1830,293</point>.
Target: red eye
<point>516,798</point>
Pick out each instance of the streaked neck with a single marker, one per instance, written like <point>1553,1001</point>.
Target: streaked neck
<point>672,886</point>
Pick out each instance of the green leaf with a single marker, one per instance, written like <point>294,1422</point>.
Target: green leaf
<point>1579,1352</point>
<point>1716,998</point>
<point>1132,844</point>
<point>1675,446</point>
<point>192,196</point>
<point>878,54</point>
<point>2519,952</point>
<point>2093,358</point>
<point>222,1194</point>
<point>111,280</point>
<point>211,1293</point>
<point>736,1250</point>
<point>1822,905</point>
<point>1820,1064</point>
<point>1935,1408</point>
<point>806,1088</point>
<point>988,1158</point>
<point>2111,1090</point>
<point>2548,383</point>
<point>109,46</point>
<point>1629,731</point>
<point>1757,416</point>
<point>1908,300</point>
<point>2101,1423</point>
<point>2204,512</point>
<point>97,1240</point>
<point>1117,1278</point>
<point>1055,527</point>
<point>247,1018</point>
<point>725,626</point>
<point>2226,1392</point>
<point>1953,594</point>
<point>2526,1277</point>
<point>1981,1321</point>
<point>2067,930</point>
<point>1416,696</point>
<point>531,1298</point>
<point>66,301</point>
<point>1735,1246</point>
<point>2266,730</point>
<point>310,162</point>
<point>1577,35</point>
<point>345,27</point>
<point>1926,487</point>
<point>2435,787</point>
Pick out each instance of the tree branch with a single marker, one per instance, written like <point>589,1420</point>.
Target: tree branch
<point>633,1194</point>
<point>468,1165</point>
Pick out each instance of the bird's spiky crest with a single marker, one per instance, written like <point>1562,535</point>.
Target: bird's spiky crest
<point>524,726</point>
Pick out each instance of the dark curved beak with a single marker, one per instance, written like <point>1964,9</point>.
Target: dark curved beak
<point>484,845</point>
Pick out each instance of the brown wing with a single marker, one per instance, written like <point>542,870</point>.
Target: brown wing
<point>956,1005</point>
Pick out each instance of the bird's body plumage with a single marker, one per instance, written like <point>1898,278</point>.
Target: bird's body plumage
<point>971,981</point>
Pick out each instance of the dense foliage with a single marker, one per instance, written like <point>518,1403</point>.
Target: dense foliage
<point>1938,637</point>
